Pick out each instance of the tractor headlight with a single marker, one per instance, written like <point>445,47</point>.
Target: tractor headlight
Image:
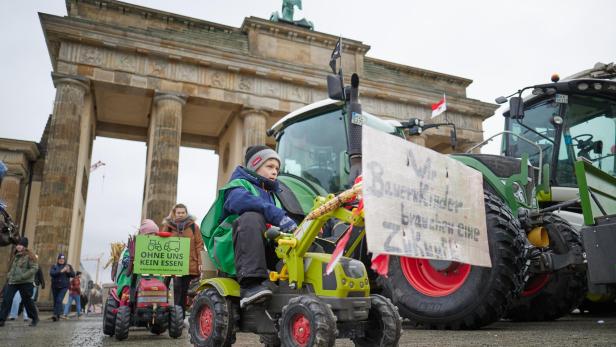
<point>518,192</point>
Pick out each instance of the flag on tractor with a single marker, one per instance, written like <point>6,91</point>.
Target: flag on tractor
<point>439,107</point>
<point>342,242</point>
<point>336,53</point>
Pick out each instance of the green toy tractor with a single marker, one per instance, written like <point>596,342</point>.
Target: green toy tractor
<point>309,306</point>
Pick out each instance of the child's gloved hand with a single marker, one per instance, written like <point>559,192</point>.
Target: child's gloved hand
<point>287,224</point>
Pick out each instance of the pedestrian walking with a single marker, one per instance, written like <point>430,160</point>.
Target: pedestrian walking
<point>24,266</point>
<point>61,274</point>
<point>74,294</point>
<point>181,224</point>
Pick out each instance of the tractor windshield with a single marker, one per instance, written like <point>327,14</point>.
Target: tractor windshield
<point>589,131</point>
<point>315,149</point>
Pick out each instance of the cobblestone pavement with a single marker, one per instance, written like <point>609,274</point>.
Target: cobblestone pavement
<point>574,330</point>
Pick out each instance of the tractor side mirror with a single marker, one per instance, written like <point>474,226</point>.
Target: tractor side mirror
<point>335,88</point>
<point>454,138</point>
<point>516,107</point>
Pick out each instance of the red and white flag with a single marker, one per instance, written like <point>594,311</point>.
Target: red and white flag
<point>339,251</point>
<point>342,242</point>
<point>439,107</point>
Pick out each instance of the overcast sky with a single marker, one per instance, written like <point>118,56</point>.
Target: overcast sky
<point>500,45</point>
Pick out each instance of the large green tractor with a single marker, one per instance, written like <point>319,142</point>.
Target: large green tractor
<point>320,148</point>
<point>531,200</point>
<point>560,123</point>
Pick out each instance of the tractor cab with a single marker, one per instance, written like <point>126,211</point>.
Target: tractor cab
<point>312,143</point>
<point>567,121</point>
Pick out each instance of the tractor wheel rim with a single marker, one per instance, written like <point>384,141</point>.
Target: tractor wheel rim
<point>300,330</point>
<point>206,321</point>
<point>429,281</point>
<point>535,284</point>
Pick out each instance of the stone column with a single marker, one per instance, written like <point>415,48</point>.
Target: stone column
<point>255,123</point>
<point>57,197</point>
<point>163,155</point>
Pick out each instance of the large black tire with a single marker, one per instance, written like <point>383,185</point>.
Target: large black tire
<point>307,313</point>
<point>211,322</point>
<point>551,296</point>
<point>483,296</point>
<point>385,324</point>
<point>122,323</point>
<point>176,321</point>
<point>109,318</point>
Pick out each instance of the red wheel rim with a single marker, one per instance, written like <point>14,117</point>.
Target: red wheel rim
<point>535,284</point>
<point>300,329</point>
<point>206,322</point>
<point>431,281</point>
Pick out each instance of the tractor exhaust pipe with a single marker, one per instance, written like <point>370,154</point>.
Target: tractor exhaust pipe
<point>355,121</point>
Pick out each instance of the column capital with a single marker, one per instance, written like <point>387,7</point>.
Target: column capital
<point>253,111</point>
<point>176,96</point>
<point>80,81</point>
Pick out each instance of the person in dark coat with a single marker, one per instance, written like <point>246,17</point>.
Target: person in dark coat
<point>61,274</point>
<point>21,278</point>
<point>252,252</point>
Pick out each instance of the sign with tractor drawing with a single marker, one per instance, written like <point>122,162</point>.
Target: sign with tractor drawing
<point>420,203</point>
<point>161,255</point>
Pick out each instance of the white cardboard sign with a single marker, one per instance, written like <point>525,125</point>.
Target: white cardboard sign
<point>420,203</point>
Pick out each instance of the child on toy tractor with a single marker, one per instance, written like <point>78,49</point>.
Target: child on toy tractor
<point>233,228</point>
<point>140,300</point>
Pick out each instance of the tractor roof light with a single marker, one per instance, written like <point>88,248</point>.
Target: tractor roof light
<point>558,120</point>
<point>582,86</point>
<point>597,86</point>
<point>537,91</point>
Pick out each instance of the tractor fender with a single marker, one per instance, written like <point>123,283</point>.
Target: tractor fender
<point>224,286</point>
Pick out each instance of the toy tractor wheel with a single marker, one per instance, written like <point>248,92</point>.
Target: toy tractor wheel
<point>552,295</point>
<point>211,322</point>
<point>109,317</point>
<point>176,321</point>
<point>306,321</point>
<point>385,324</point>
<point>122,323</point>
<point>452,295</point>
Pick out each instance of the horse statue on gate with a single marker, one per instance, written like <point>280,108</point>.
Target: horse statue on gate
<point>288,10</point>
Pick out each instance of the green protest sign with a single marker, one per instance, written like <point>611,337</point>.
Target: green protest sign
<point>161,255</point>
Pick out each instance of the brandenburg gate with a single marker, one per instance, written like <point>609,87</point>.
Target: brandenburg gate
<point>129,72</point>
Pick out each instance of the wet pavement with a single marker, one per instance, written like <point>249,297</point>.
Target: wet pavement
<point>573,330</point>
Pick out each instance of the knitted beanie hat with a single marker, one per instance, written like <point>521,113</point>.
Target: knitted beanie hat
<point>23,242</point>
<point>256,156</point>
<point>148,227</point>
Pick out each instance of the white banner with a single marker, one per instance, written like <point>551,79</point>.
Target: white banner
<point>420,203</point>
